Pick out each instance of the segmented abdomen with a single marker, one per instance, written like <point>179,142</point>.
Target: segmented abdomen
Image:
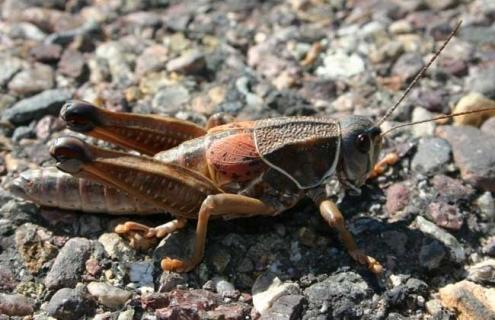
<point>52,188</point>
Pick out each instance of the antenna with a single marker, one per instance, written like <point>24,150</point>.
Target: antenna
<point>448,116</point>
<point>418,76</point>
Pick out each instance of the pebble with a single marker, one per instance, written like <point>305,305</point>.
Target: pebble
<point>190,62</point>
<point>451,190</point>
<point>397,198</point>
<point>116,247</point>
<point>337,65</point>
<point>455,248</point>
<point>286,307</point>
<point>482,272</point>
<point>68,267</point>
<point>46,53</point>
<point>445,215</point>
<point>170,99</point>
<point>33,244</point>
<point>479,80</point>
<point>15,305</point>
<point>108,295</point>
<point>142,273</point>
<point>486,204</point>
<point>472,102</point>
<point>152,59</point>
<point>441,4</point>
<point>488,126</point>
<point>339,296</point>
<point>170,280</point>
<point>423,129</point>
<point>469,300</point>
<point>114,54</point>
<point>72,64</point>
<point>268,288</point>
<point>407,66</point>
<point>37,106</point>
<point>70,304</point>
<point>431,254</point>
<point>10,66</point>
<point>489,247</point>
<point>474,154</point>
<point>39,77</point>
<point>432,156</point>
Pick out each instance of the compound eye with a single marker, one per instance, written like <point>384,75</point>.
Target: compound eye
<point>363,143</point>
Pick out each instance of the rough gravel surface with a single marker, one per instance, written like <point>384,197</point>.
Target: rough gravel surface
<point>429,219</point>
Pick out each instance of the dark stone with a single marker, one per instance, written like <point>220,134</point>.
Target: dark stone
<point>431,254</point>
<point>70,304</point>
<point>396,296</point>
<point>69,265</point>
<point>474,154</point>
<point>190,62</point>
<point>35,107</point>
<point>342,293</point>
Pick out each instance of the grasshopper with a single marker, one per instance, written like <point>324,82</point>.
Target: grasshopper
<point>228,170</point>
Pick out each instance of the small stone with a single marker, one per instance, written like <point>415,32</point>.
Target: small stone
<point>400,27</point>
<point>222,285</point>
<point>307,236</point>
<point>116,247</point>
<point>152,59</point>
<point>37,78</point>
<point>479,80</point>
<point>233,311</point>
<point>454,66</point>
<point>338,65</point>
<point>70,304</point>
<point>37,106</point>
<point>473,102</point>
<point>441,4</point>
<point>170,99</point>
<point>397,198</point>
<point>69,265</point>
<point>114,53</point>
<point>488,126</point>
<point>142,273</point>
<point>482,272</point>
<point>431,254</point>
<point>10,66</point>
<point>190,62</point>
<point>489,247</point>
<point>433,100</point>
<point>178,245</point>
<point>407,66</point>
<point>126,315</point>
<point>432,156</point>
<point>47,53</point>
<point>433,306</point>
<point>170,281</point>
<point>445,215</point>
<point>486,204</point>
<point>423,129</point>
<point>108,295</point>
<point>47,125</point>
<point>15,305</point>
<point>152,301</point>
<point>339,296</point>
<point>268,288</point>
<point>451,190</point>
<point>33,244</point>
<point>455,248</point>
<point>286,307</point>
<point>72,64</point>
<point>469,300</point>
<point>474,154</point>
<point>22,132</point>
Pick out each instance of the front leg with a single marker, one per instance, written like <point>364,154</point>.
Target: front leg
<point>334,218</point>
<point>216,205</point>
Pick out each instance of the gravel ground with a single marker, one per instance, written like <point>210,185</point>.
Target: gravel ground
<point>430,219</point>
